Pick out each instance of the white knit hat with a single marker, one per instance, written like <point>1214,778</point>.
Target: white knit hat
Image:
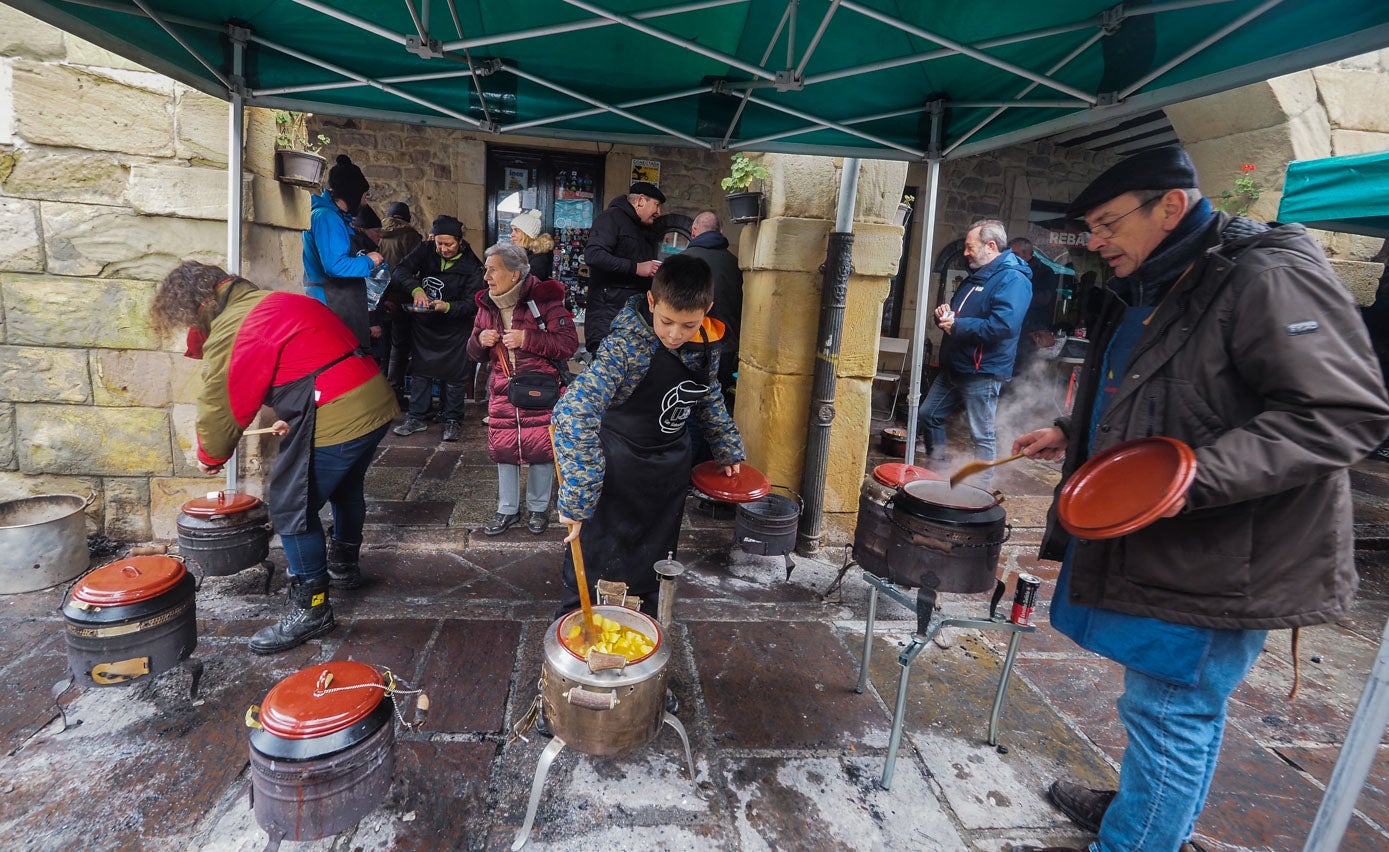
<point>528,223</point>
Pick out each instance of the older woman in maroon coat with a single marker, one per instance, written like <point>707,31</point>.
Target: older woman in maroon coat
<point>522,326</point>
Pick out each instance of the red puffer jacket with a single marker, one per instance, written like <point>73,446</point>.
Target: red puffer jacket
<point>522,435</point>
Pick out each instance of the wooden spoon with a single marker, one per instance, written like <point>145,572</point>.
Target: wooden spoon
<point>974,467</point>
<point>580,576</point>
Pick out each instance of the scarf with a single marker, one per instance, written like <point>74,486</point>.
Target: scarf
<point>1150,282</point>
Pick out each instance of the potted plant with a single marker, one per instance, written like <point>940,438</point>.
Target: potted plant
<point>904,211</point>
<point>743,205</point>
<point>297,160</point>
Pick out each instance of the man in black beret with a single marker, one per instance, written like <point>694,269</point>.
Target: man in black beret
<point>1237,340</point>
<point>621,257</point>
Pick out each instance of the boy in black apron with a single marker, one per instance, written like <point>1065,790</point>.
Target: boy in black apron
<point>622,431</point>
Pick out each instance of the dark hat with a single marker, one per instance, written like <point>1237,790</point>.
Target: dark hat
<point>447,224</point>
<point>398,210</point>
<point>650,190</point>
<point>347,183</point>
<point>1160,168</point>
<point>366,218</point>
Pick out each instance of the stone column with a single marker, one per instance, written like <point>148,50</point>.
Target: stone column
<point>781,258</point>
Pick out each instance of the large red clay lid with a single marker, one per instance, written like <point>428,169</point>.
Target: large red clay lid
<point>1126,487</point>
<point>746,486</point>
<point>219,503</point>
<point>322,700</point>
<point>896,474</point>
<point>129,581</point>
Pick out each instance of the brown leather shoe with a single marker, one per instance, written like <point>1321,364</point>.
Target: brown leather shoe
<point>1084,806</point>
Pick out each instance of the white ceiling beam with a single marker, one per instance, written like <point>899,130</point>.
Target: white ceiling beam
<point>615,110</point>
<point>589,24</point>
<point>693,47</point>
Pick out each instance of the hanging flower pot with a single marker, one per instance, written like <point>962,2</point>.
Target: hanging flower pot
<point>300,168</point>
<point>745,206</point>
<point>903,214</point>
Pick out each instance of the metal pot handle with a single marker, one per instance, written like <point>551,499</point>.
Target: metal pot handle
<point>599,661</point>
<point>253,717</point>
<point>580,697</point>
<point>91,498</point>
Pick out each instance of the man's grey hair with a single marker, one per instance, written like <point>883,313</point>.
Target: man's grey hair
<point>706,221</point>
<point>1020,244</point>
<point>514,258</point>
<point>992,231</point>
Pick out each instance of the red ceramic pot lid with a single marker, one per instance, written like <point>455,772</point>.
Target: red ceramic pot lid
<point>1126,487</point>
<point>220,503</point>
<point>744,487</point>
<point>128,581</point>
<point>940,492</point>
<point>896,474</point>
<point>313,702</point>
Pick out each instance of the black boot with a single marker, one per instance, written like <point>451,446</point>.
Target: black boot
<point>343,570</point>
<point>310,615</point>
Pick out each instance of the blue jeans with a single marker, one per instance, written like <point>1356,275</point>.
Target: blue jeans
<point>337,474</point>
<point>1174,742</point>
<point>977,393</point>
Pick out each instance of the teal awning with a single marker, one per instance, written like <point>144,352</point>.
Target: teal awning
<point>1348,194</point>
<point>851,77</point>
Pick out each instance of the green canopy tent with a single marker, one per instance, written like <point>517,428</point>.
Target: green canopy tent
<point>1349,194</point>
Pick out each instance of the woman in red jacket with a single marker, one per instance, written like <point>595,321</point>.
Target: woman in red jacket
<point>292,353</point>
<point>523,327</point>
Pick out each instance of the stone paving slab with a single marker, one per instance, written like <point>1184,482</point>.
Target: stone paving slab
<point>1319,761</point>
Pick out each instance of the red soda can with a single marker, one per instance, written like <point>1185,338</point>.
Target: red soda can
<point>1025,599</point>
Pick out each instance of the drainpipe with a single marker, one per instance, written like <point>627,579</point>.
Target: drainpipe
<point>834,296</point>
<point>235,158</point>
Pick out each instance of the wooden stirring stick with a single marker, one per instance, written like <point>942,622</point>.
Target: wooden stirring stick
<point>974,467</point>
<point>586,628</point>
<point>268,430</point>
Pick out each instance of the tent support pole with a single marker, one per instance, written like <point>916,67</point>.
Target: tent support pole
<point>235,165</point>
<point>1358,754</point>
<point>923,279</point>
<point>834,297</point>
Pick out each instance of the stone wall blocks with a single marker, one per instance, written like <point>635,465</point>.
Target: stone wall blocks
<point>46,310</point>
<point>182,191</point>
<point>68,107</point>
<point>21,250</point>
<point>137,377</point>
<point>26,36</point>
<point>1346,142</point>
<point>8,460</point>
<point>115,243</point>
<point>880,186</point>
<point>127,509</point>
<point>800,187</point>
<point>1360,277</point>
<point>791,244</point>
<point>44,374</point>
<point>877,249</point>
<point>45,174</point>
<point>277,204</point>
<point>1239,110</point>
<point>1354,99</point>
<point>167,494</point>
<point>200,128</point>
<point>78,440</point>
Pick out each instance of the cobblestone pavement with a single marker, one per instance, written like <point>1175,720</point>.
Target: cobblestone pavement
<point>788,755</point>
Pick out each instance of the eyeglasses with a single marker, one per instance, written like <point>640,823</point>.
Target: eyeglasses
<point>1106,231</point>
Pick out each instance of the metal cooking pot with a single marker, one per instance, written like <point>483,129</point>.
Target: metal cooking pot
<point>939,501</point>
<point>44,540</point>
<point>224,532</point>
<point>130,619</point>
<point>604,706</point>
<point>944,538</point>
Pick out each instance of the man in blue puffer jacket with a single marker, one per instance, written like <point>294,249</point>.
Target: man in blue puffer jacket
<point>981,323</point>
<point>337,257</point>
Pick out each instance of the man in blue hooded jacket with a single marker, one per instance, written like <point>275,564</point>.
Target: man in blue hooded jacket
<point>981,324</point>
<point>337,257</point>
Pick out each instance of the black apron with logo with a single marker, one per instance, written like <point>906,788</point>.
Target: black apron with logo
<point>290,481</point>
<point>646,446</point>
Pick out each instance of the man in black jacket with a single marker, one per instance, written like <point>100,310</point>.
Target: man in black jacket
<point>708,243</point>
<point>621,257</point>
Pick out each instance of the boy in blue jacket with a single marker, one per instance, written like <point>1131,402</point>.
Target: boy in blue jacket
<point>621,431</point>
<point>337,257</point>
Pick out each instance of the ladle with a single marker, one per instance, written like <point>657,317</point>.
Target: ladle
<point>974,467</point>
<point>580,577</point>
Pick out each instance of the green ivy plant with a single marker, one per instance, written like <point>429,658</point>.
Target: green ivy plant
<point>1246,191</point>
<point>292,132</point>
<point>908,199</point>
<point>742,173</point>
